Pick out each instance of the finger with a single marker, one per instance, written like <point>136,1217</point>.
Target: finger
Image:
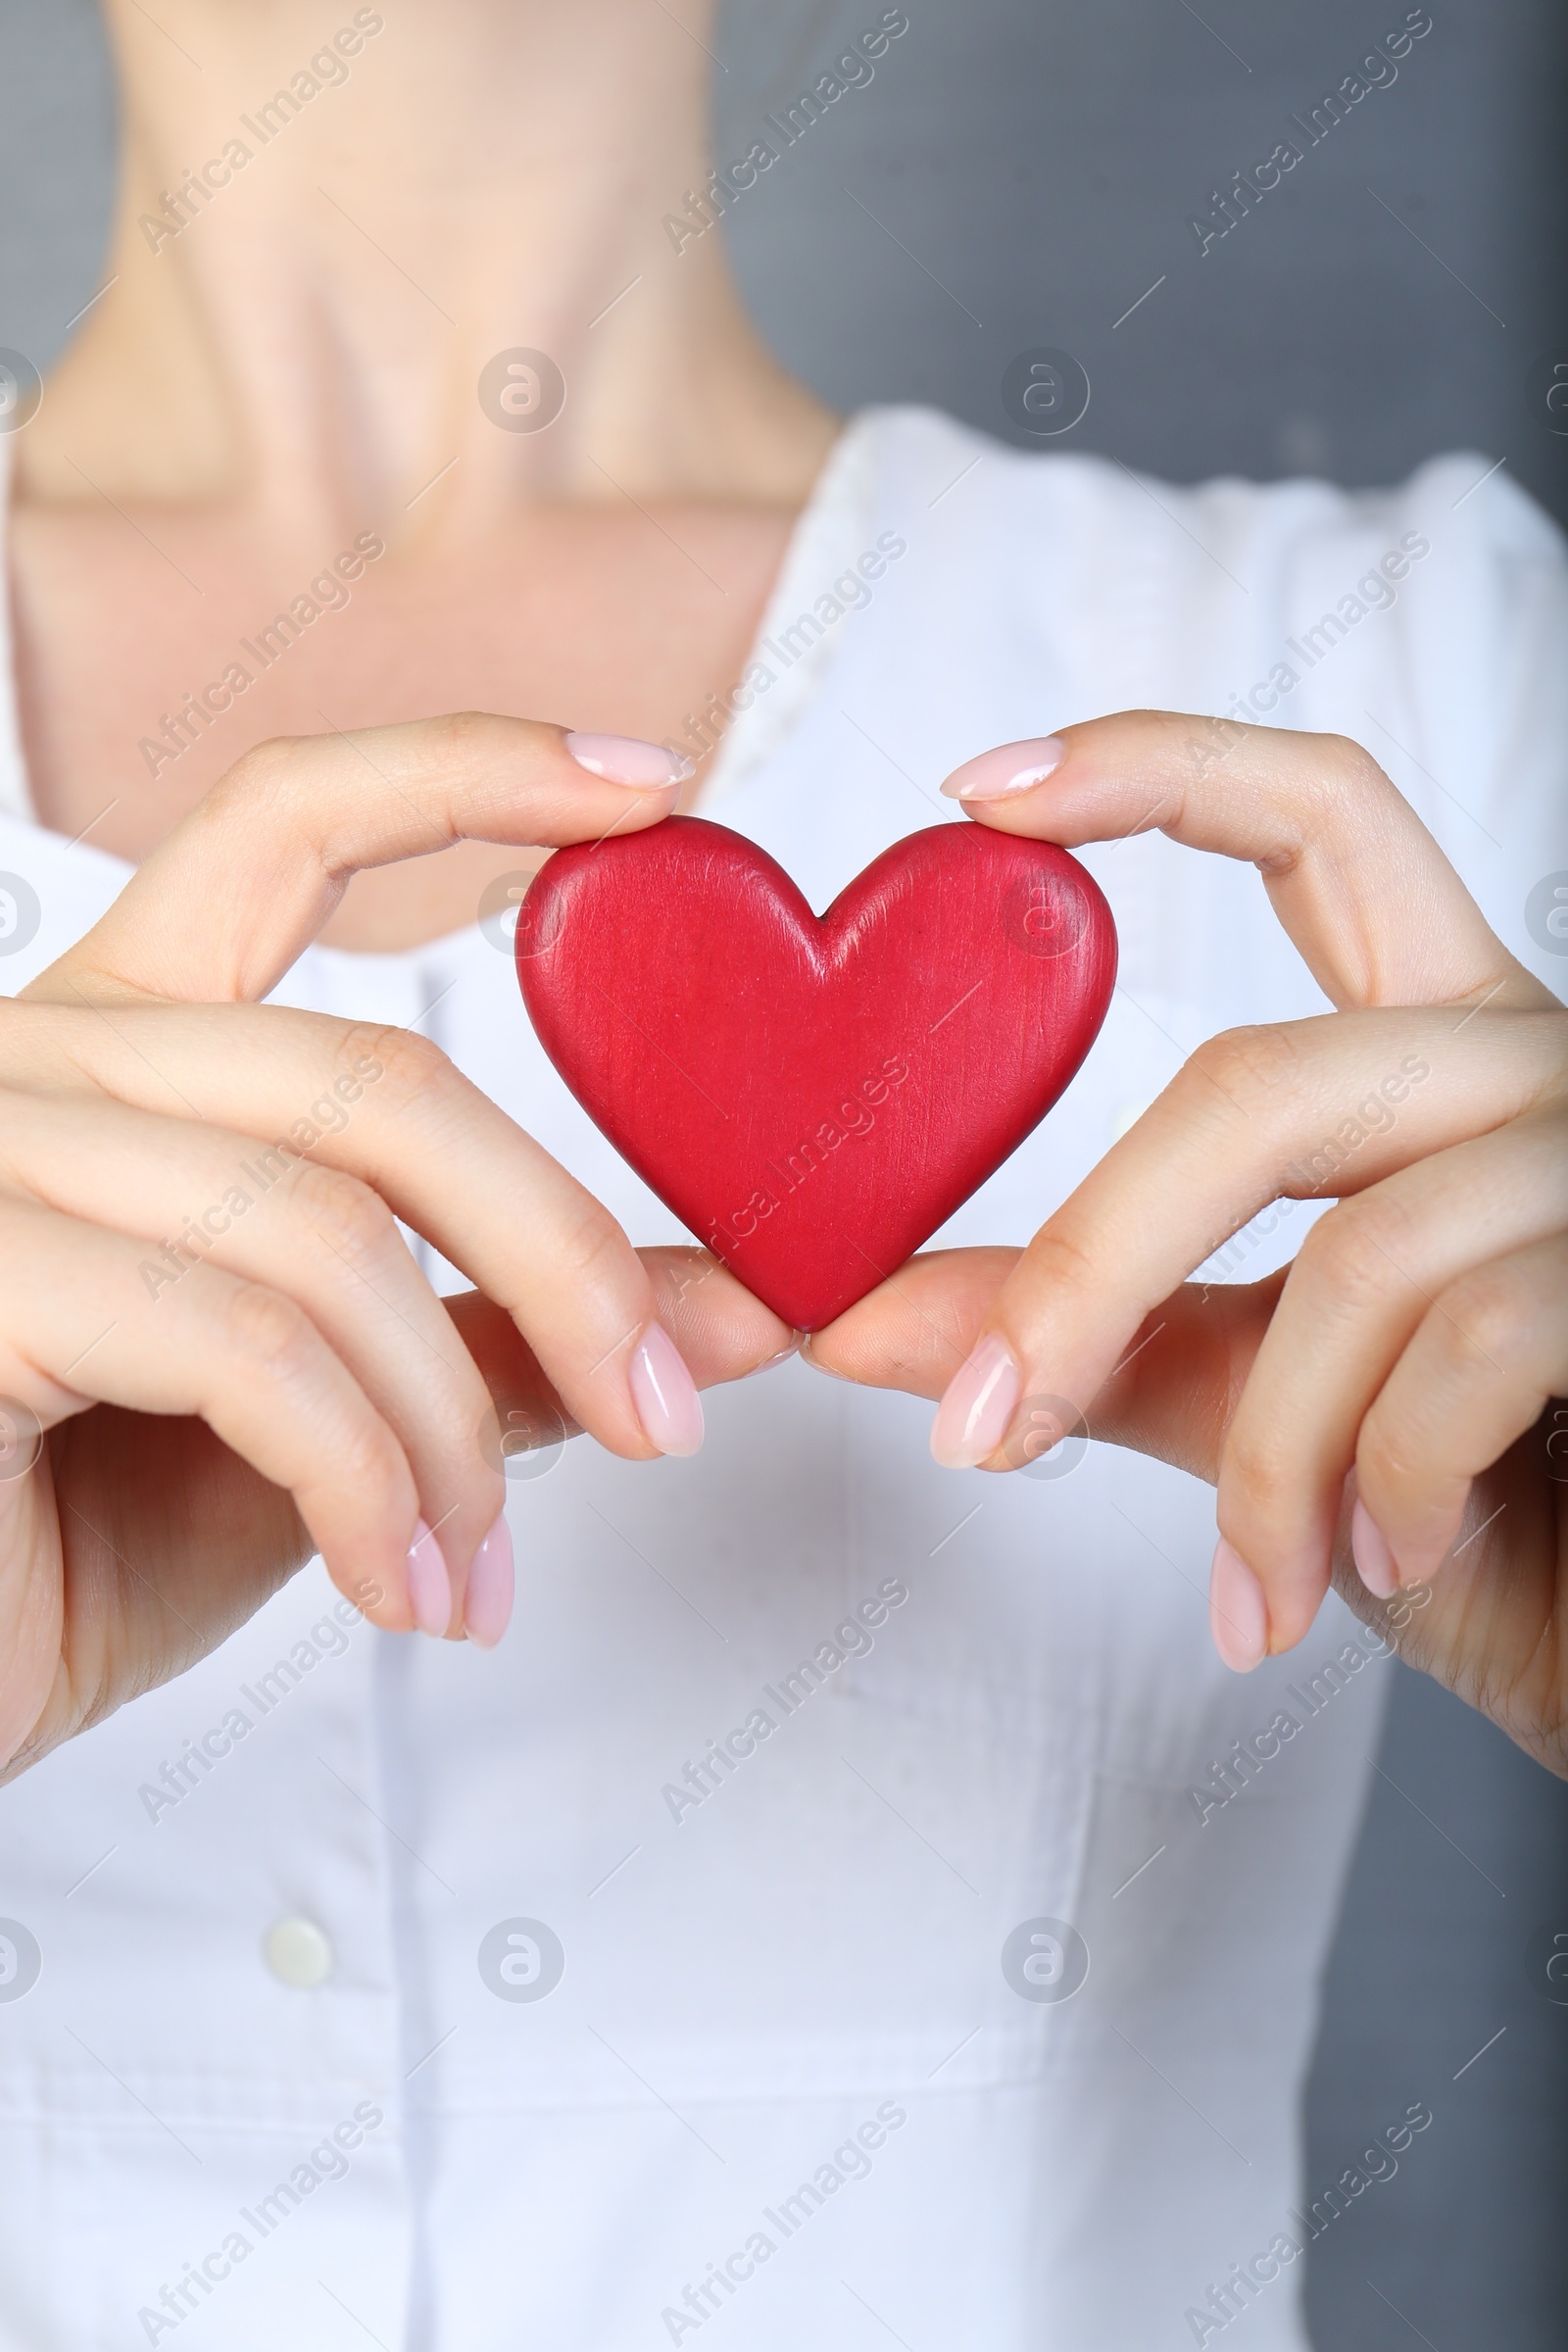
<point>1488,1354</point>
<point>241,887</point>
<point>1360,884</point>
<point>1361,1283</point>
<point>79,1327</point>
<point>1334,1104</point>
<point>1170,1397</point>
<point>387,1107</point>
<point>320,1238</point>
<point>915,1330</point>
<point>1489,1624</point>
<point>721,1331</point>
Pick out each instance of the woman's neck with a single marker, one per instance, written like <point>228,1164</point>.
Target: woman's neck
<point>306,283</point>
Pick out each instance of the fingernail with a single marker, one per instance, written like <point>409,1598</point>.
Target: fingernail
<point>1375,1564</point>
<point>980,1400</point>
<point>1238,1613</point>
<point>665,1394</point>
<point>782,1357</point>
<point>487,1605</point>
<point>1010,767</point>
<point>628,760</point>
<point>429,1585</point>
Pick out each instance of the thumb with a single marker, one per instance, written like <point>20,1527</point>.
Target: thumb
<point>1171,1398</point>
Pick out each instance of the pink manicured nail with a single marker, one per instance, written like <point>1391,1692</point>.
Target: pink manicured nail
<point>627,759</point>
<point>1010,767</point>
<point>1238,1613</point>
<point>980,1400</point>
<point>1375,1562</point>
<point>429,1585</point>
<point>665,1394</point>
<point>487,1605</point>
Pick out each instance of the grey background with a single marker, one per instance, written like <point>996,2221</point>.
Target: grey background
<point>1017,177</point>
<point>1042,161</point>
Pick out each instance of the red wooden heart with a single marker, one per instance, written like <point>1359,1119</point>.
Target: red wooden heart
<point>813,1096</point>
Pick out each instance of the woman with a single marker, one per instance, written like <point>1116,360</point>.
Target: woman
<point>849,1891</point>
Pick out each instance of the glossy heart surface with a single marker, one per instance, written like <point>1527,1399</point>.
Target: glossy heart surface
<point>814,1096</point>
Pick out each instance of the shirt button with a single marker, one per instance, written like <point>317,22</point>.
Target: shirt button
<point>297,1951</point>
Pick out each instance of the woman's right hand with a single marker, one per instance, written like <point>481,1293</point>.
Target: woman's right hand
<point>217,1351</point>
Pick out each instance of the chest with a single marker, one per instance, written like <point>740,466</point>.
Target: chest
<point>153,651</point>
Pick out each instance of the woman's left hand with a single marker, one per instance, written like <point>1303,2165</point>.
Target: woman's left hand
<point>1382,1413</point>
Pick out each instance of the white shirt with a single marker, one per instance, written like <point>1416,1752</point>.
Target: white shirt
<point>809,1959</point>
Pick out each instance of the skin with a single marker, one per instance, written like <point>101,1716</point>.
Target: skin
<point>296,1385</point>
<point>1405,1372</point>
<point>246,400</point>
<point>235,409</point>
